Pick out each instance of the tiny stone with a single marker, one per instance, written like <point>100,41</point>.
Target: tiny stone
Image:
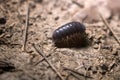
<point>96,46</point>
<point>104,67</point>
<point>94,70</point>
<point>56,18</point>
<point>115,53</point>
<point>2,20</point>
<point>103,72</point>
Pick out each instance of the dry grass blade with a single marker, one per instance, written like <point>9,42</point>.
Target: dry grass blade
<point>109,27</point>
<point>42,54</point>
<point>26,29</point>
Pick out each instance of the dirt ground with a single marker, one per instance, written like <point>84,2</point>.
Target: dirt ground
<point>99,61</point>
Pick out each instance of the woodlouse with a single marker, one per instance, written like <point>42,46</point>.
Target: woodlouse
<point>71,34</point>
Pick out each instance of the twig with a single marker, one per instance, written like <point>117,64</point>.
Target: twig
<point>67,78</point>
<point>26,29</point>
<point>73,71</point>
<point>41,60</point>
<point>112,65</point>
<point>74,75</point>
<point>42,54</point>
<point>94,24</point>
<point>2,35</point>
<point>86,69</point>
<point>78,4</point>
<point>109,27</point>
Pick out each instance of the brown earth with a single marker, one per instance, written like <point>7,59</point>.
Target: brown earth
<point>99,61</point>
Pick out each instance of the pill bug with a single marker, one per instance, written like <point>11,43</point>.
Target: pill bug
<point>71,34</point>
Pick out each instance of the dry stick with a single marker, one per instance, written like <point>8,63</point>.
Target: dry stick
<point>94,24</point>
<point>67,78</point>
<point>26,29</point>
<point>41,60</point>
<point>86,69</point>
<point>109,27</point>
<point>74,75</point>
<point>73,71</point>
<point>42,54</point>
<point>2,35</point>
<point>78,4</point>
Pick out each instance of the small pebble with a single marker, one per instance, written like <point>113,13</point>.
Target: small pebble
<point>2,20</point>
